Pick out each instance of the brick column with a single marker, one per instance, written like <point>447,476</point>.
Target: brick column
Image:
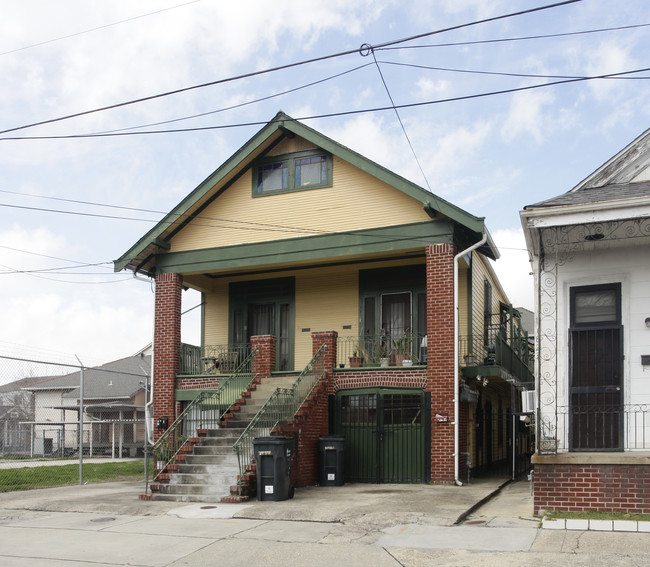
<point>166,344</point>
<point>264,360</point>
<point>329,339</point>
<point>440,359</point>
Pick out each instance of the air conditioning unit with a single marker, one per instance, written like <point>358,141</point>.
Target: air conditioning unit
<point>528,401</point>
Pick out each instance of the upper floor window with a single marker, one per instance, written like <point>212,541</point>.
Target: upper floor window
<point>293,172</point>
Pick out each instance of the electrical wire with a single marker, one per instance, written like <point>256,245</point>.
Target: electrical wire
<point>97,28</point>
<point>342,113</point>
<point>509,39</point>
<point>282,67</point>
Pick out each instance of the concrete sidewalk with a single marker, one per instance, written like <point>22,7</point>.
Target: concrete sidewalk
<point>357,524</point>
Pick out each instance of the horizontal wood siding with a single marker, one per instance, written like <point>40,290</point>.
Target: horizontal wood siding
<point>355,201</point>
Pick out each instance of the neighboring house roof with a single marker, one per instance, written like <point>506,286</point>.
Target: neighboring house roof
<point>623,177</point>
<point>605,193</point>
<point>140,257</point>
<point>22,384</point>
<point>527,318</point>
<point>611,206</point>
<point>120,379</point>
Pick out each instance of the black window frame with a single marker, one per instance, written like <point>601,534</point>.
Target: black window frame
<point>291,161</point>
<point>615,287</point>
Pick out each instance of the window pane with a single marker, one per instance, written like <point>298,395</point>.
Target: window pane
<point>310,171</point>
<point>595,306</point>
<point>272,176</point>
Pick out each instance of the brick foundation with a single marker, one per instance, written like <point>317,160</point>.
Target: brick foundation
<point>602,487</point>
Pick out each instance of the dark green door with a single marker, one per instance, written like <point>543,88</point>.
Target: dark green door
<point>386,434</point>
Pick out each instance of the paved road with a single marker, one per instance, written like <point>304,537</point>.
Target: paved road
<point>375,525</point>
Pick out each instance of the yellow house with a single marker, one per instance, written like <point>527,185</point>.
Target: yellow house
<point>296,242</point>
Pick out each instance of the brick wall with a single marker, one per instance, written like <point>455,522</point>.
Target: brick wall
<point>198,383</point>
<point>166,343</point>
<point>440,358</point>
<point>392,377</point>
<point>608,488</point>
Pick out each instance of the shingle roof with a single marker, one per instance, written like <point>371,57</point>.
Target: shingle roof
<point>117,379</point>
<point>586,195</point>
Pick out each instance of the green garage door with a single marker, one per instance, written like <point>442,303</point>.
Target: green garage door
<point>386,434</point>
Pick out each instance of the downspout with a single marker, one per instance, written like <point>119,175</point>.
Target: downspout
<point>457,257</point>
<point>148,391</point>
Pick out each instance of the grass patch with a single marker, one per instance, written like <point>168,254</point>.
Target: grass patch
<point>44,477</point>
<point>595,515</point>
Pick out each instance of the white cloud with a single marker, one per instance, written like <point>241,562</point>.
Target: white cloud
<point>526,115</point>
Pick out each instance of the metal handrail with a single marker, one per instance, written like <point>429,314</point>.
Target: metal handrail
<point>203,411</point>
<point>282,406</point>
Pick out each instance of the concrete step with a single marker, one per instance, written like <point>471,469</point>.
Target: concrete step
<point>223,477</point>
<point>212,450</point>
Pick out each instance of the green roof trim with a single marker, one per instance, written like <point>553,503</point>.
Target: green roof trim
<point>310,248</point>
<point>141,255</point>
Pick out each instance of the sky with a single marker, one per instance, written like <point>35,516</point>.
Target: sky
<point>478,121</point>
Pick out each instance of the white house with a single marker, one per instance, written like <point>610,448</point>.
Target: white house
<point>590,251</point>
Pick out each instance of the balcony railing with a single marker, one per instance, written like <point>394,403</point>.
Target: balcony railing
<point>513,355</point>
<point>212,359</point>
<point>374,351</point>
<point>204,412</point>
<point>594,427</point>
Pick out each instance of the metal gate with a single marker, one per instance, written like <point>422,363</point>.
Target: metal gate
<point>386,434</point>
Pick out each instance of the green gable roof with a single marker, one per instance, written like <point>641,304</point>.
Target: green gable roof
<point>139,256</point>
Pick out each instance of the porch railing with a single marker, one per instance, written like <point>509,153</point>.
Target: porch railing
<point>281,407</point>
<point>381,350</point>
<point>511,354</point>
<point>594,427</point>
<point>203,412</point>
<point>212,359</point>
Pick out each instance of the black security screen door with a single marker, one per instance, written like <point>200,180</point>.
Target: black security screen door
<point>596,367</point>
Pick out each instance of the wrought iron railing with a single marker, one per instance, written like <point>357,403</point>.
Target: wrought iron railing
<point>594,427</point>
<point>381,350</point>
<point>281,407</point>
<point>511,354</point>
<point>203,412</point>
<point>212,359</point>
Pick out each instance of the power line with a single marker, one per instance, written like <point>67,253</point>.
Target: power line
<point>283,67</point>
<point>503,74</point>
<point>97,28</point>
<point>341,113</point>
<point>509,39</point>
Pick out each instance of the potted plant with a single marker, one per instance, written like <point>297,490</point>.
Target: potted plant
<point>355,360</point>
<point>382,352</point>
<point>403,350</point>
<point>470,359</point>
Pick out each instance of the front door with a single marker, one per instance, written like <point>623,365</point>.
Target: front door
<point>386,434</point>
<point>596,369</point>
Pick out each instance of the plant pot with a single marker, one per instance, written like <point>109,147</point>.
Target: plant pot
<point>356,361</point>
<point>407,362</point>
<point>384,362</point>
<point>470,360</point>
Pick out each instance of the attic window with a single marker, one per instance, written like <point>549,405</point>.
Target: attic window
<point>292,172</point>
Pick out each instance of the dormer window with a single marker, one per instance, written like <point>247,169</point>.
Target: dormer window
<point>292,172</point>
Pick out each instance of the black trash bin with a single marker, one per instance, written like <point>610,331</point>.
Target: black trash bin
<point>332,458</point>
<point>273,458</point>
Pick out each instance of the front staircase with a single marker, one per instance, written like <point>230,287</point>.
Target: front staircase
<point>207,470</point>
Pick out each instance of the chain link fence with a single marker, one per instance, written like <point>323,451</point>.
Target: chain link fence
<point>63,423</point>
